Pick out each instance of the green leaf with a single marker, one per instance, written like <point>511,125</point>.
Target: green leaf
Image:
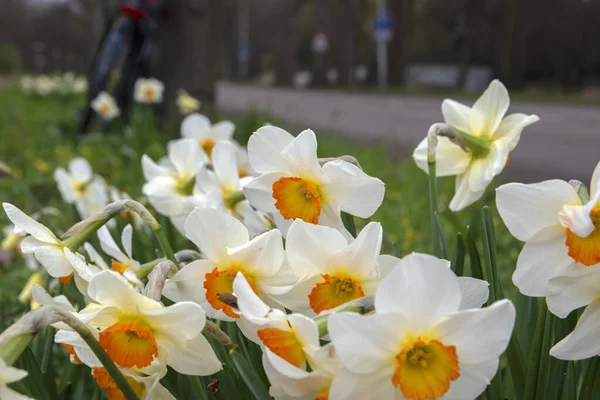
<point>516,363</point>
<point>348,221</point>
<point>441,236</point>
<point>591,374</point>
<point>458,259</point>
<point>535,353</point>
<point>545,356</point>
<point>475,261</point>
<point>490,260</point>
<point>570,390</point>
<point>249,376</point>
<point>35,380</point>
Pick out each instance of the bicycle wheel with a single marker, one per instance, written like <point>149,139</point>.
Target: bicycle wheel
<point>104,63</point>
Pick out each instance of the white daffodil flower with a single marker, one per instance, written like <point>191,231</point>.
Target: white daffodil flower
<point>579,287</point>
<point>123,263</point>
<point>186,103</point>
<point>47,249</point>
<point>330,269</point>
<point>420,343</point>
<point>488,136</point>
<point>146,384</point>
<point>171,186</point>
<point>8,375</point>
<point>115,195</point>
<point>81,187</point>
<point>294,337</point>
<point>226,243</point>
<point>198,127</point>
<point>105,106</point>
<point>294,185</point>
<point>148,91</point>
<point>222,187</point>
<point>134,330</point>
<point>290,381</point>
<point>560,230</point>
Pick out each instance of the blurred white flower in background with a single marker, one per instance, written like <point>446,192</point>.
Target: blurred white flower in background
<point>10,375</point>
<point>105,106</point>
<point>186,103</point>
<point>489,138</point>
<point>148,91</point>
<point>78,185</point>
<point>198,127</point>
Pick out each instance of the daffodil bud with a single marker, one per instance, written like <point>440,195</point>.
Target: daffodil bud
<point>25,295</point>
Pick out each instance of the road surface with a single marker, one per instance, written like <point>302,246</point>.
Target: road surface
<point>564,144</point>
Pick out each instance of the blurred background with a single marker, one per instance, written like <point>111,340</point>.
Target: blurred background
<point>371,70</point>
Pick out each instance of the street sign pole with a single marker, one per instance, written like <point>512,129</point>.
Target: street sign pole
<point>243,38</point>
<point>383,33</point>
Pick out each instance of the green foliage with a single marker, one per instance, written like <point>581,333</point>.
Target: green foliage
<point>10,59</point>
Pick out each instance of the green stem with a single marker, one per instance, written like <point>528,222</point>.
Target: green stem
<point>433,208</point>
<point>146,268</point>
<point>111,368</point>
<point>47,355</point>
<point>75,241</point>
<point>164,243</point>
<point>12,350</point>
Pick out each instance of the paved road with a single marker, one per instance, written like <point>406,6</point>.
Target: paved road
<point>564,144</point>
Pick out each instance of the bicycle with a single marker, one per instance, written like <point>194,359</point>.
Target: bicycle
<point>135,25</point>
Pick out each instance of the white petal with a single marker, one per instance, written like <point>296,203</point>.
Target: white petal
<point>248,302</point>
<point>356,192</point>
<point>292,381</point>
<point>109,246</point>
<point>126,240</point>
<point>422,288</point>
<point>527,209</point>
<point>541,258</point>
<point>366,343</point>
<point>450,159</point>
<point>584,341</point>
<point>456,115</point>
<point>488,111</point>
<point>163,196</point>
<point>595,180</point>
<point>24,223</point>
<point>483,170</point>
<point>479,334</point>
<point>264,149</point>
<point>475,292</point>
<point>194,126</point>
<point>112,290</point>
<point>196,358</point>
<point>262,256</point>
<point>152,170</point>
<point>84,270</point>
<point>301,153</point>
<point>578,287</point>
<point>511,127</point>
<point>473,380</point>
<point>185,319</point>
<point>9,374</point>
<point>464,196</point>
<point>222,131</point>
<point>186,156</point>
<point>224,161</point>
<point>306,329</point>
<point>214,232</point>
<point>80,169</point>
<point>53,260</point>
<point>361,257</point>
<point>259,192</point>
<point>349,385</point>
<point>9,394</point>
<point>187,283</point>
<point>309,247</point>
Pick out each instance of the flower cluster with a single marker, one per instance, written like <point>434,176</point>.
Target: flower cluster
<point>276,259</point>
<point>45,85</point>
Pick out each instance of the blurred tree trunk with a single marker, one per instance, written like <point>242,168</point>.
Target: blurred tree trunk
<point>402,15</point>
<point>285,61</point>
<point>344,17</point>
<point>188,49</point>
<point>513,61</point>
